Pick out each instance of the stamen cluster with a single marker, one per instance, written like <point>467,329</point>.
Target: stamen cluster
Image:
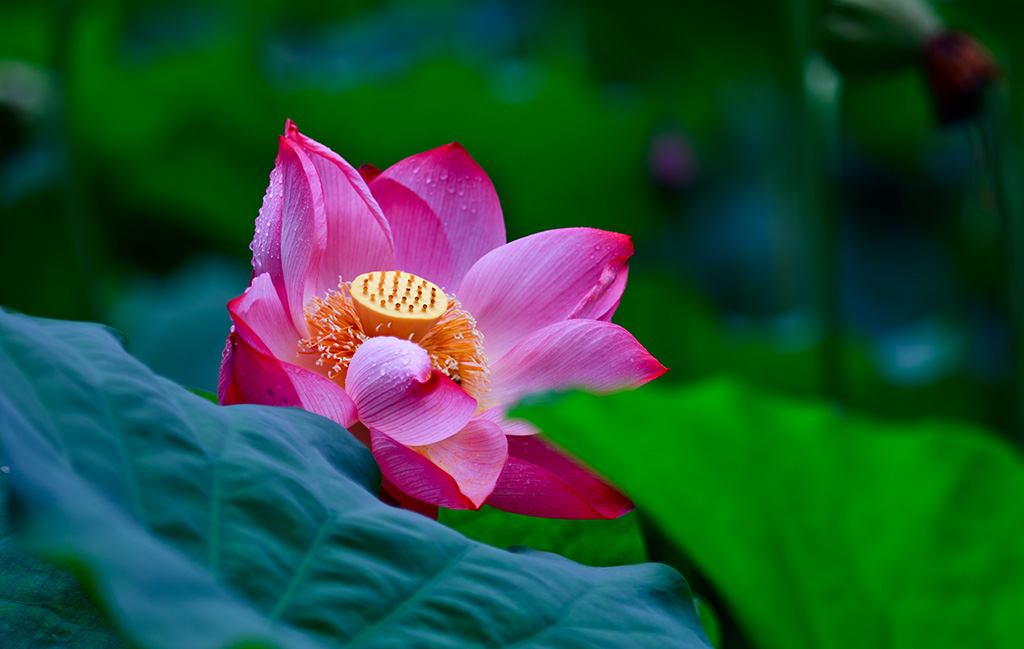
<point>339,323</point>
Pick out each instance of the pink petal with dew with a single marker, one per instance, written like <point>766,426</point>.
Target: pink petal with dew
<point>358,235</point>
<point>590,355</point>
<point>263,322</point>
<point>247,376</point>
<point>443,211</point>
<point>226,390</point>
<point>508,426</point>
<point>266,242</point>
<point>414,475</point>
<point>297,217</point>
<point>397,393</point>
<point>473,458</point>
<point>542,279</point>
<point>540,480</point>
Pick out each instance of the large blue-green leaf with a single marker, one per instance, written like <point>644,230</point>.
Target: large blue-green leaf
<point>820,529</point>
<point>41,605</point>
<point>200,526</point>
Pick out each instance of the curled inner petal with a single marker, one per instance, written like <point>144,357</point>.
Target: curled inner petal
<point>397,392</point>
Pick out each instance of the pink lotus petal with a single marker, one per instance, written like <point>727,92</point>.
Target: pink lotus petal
<point>266,242</point>
<point>590,355</point>
<point>415,475</point>
<point>605,306</point>
<point>392,495</point>
<point>225,381</point>
<point>540,480</point>
<point>508,426</point>
<point>474,457</point>
<point>358,235</point>
<point>542,279</point>
<point>368,172</point>
<point>443,211</point>
<point>303,230</point>
<point>263,322</point>
<point>247,376</point>
<point>518,427</point>
<point>397,393</point>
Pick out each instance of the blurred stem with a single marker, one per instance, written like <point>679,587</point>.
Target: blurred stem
<point>823,98</point>
<point>817,87</point>
<point>72,188</point>
<point>994,132</point>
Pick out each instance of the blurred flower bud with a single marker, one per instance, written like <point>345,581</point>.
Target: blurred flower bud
<point>959,68</point>
<point>876,35</point>
<point>671,161</point>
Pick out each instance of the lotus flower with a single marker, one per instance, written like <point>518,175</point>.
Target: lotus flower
<point>391,303</point>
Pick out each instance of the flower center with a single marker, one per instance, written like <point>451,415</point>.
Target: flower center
<point>393,303</point>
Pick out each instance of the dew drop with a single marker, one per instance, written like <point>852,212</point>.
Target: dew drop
<point>444,174</point>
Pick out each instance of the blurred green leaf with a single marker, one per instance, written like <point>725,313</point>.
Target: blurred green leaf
<point>820,529</point>
<point>200,526</point>
<point>615,542</point>
<point>209,396</point>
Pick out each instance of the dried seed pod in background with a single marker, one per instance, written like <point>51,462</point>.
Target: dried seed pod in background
<point>959,68</point>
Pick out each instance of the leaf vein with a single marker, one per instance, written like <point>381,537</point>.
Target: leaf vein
<point>303,569</point>
<point>413,597</point>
